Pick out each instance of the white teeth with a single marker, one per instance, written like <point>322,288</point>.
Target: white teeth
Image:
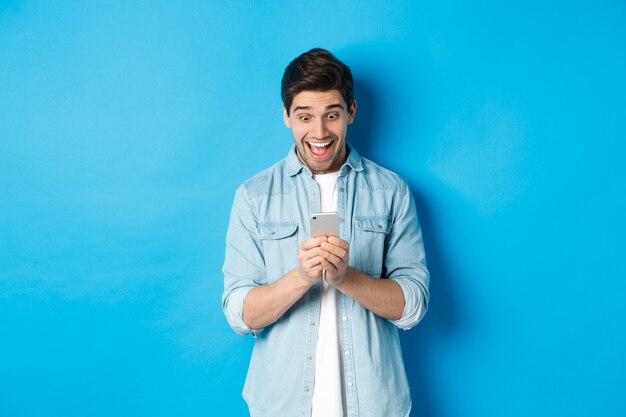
<point>319,144</point>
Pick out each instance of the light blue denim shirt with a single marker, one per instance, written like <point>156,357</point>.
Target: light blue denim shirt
<point>270,216</point>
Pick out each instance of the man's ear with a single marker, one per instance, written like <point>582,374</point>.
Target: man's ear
<point>352,112</point>
<point>286,118</point>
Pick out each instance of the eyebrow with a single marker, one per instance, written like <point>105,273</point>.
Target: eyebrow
<point>330,106</point>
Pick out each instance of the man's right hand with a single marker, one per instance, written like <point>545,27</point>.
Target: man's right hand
<point>310,259</point>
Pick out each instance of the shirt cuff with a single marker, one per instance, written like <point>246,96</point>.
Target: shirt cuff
<point>413,305</point>
<point>234,312</point>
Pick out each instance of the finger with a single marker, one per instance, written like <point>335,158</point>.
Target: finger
<point>311,263</point>
<point>333,259</point>
<point>312,243</point>
<point>304,256</point>
<point>334,249</point>
<point>315,272</point>
<point>327,265</point>
<point>339,242</point>
<point>331,270</point>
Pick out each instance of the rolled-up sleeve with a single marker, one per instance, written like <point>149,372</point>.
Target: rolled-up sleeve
<point>244,266</point>
<point>405,261</point>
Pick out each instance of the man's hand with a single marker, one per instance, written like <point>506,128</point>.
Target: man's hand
<point>310,258</point>
<point>335,257</point>
<point>329,253</point>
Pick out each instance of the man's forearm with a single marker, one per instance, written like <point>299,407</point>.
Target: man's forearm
<point>383,297</point>
<point>266,304</point>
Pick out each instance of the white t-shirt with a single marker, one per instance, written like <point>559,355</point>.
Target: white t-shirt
<point>328,398</point>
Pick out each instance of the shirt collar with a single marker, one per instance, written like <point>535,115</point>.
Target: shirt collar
<point>294,166</point>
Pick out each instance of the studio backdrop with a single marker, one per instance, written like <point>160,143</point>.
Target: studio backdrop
<point>126,126</point>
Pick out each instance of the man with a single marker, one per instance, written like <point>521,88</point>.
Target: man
<point>324,311</point>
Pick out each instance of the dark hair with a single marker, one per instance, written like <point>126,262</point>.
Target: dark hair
<point>316,70</point>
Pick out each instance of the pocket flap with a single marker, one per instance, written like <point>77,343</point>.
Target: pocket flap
<point>372,223</point>
<point>277,230</point>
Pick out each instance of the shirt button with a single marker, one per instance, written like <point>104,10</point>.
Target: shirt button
<point>344,318</point>
<point>349,384</point>
<point>347,352</point>
<point>312,323</point>
<point>341,189</point>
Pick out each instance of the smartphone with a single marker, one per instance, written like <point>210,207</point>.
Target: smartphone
<point>324,224</point>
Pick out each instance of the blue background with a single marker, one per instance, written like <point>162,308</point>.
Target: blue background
<point>125,127</point>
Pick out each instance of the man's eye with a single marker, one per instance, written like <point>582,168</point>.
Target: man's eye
<point>333,116</point>
<point>305,118</point>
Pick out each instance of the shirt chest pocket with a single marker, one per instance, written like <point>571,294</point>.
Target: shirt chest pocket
<point>280,248</point>
<point>368,246</point>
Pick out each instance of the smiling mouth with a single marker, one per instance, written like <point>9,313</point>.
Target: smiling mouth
<point>319,149</point>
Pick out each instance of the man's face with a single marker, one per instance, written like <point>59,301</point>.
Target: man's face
<point>319,122</point>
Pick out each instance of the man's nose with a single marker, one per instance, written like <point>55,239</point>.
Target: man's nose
<point>319,130</point>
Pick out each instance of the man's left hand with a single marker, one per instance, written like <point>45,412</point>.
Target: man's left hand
<point>335,259</point>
